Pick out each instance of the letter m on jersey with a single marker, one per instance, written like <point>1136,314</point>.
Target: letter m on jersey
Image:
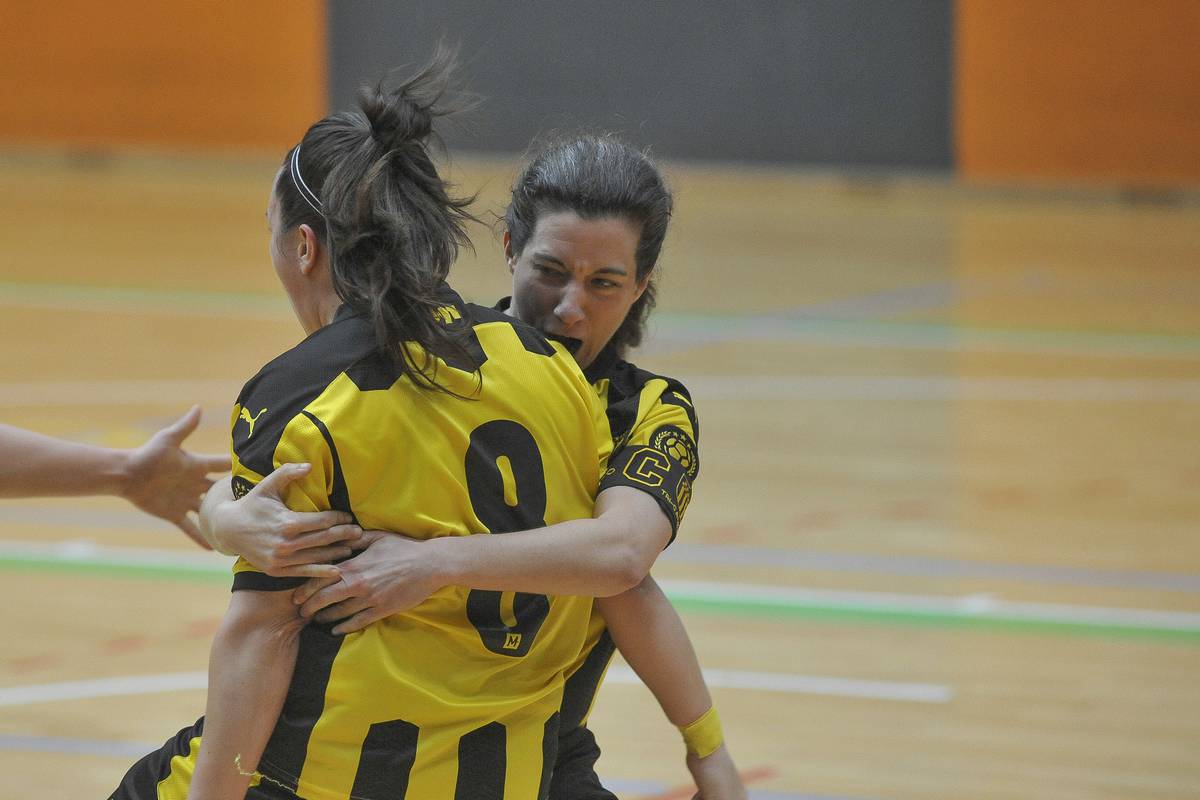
<point>512,641</point>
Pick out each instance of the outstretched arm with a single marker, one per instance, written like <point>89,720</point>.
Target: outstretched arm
<point>159,477</point>
<point>652,639</point>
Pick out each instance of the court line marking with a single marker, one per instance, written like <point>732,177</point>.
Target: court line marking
<point>83,747</point>
<point>667,328</point>
<point>976,610</point>
<point>43,514</point>
<point>688,790</point>
<point>905,387</point>
<point>900,691</point>
<point>923,566</point>
<point>783,683</point>
<point>66,394</point>
<point>102,687</point>
<point>135,300</point>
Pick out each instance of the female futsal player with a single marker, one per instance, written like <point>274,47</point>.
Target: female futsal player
<point>584,231</point>
<point>416,412</point>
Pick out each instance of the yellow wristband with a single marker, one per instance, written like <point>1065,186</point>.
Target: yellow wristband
<point>703,736</point>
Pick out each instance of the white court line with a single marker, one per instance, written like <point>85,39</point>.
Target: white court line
<point>808,684</point>
<point>102,687</point>
<point>63,394</point>
<point>716,678</point>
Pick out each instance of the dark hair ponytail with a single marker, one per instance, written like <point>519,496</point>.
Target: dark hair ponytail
<point>387,217</point>
<point>597,176</point>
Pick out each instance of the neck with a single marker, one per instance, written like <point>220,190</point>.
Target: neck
<point>317,312</point>
<point>327,308</point>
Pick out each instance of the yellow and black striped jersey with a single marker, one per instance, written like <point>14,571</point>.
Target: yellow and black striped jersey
<point>459,697</point>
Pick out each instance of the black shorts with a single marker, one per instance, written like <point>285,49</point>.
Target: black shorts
<point>575,775</point>
<point>142,779</point>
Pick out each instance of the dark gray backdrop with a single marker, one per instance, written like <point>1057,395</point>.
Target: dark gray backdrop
<point>831,82</point>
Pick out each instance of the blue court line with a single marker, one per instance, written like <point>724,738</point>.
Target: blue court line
<point>135,750</point>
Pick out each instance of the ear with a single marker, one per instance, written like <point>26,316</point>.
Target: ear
<point>508,252</point>
<point>308,249</point>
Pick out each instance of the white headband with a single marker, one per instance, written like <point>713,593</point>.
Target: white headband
<point>308,194</point>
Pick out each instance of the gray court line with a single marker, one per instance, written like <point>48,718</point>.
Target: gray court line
<point>134,750</point>
<point>83,747</point>
<point>671,330</point>
<point>948,388</point>
<point>152,392</point>
<point>674,331</point>
<point>681,552</point>
<point>888,302</point>
<point>925,567</point>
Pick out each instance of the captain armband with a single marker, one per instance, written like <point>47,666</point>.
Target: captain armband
<point>703,736</point>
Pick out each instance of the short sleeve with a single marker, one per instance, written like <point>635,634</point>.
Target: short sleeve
<point>660,457</point>
<point>302,439</point>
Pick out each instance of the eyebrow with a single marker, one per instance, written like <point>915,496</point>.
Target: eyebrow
<point>538,256</point>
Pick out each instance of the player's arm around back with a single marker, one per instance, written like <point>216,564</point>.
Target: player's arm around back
<point>652,639</point>
<point>598,557</point>
<point>250,666</point>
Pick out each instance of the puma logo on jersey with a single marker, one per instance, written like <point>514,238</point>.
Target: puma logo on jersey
<point>251,420</point>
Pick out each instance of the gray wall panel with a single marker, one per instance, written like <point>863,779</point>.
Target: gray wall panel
<point>841,82</point>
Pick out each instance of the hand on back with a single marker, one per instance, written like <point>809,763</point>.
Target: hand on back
<point>283,543</point>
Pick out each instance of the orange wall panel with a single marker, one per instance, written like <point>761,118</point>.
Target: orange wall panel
<point>1093,90</point>
<point>184,73</point>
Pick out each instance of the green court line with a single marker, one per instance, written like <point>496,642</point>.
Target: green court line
<point>820,611</point>
<point>199,573</point>
<point>929,619</point>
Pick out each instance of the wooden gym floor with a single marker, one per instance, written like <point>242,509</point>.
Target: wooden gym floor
<point>944,543</point>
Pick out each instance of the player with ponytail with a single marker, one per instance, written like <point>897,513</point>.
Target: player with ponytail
<point>408,409</point>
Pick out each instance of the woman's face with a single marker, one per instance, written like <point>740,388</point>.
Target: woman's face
<point>577,278</point>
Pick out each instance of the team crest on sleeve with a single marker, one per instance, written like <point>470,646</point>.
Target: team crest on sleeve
<point>678,445</point>
<point>241,487</point>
